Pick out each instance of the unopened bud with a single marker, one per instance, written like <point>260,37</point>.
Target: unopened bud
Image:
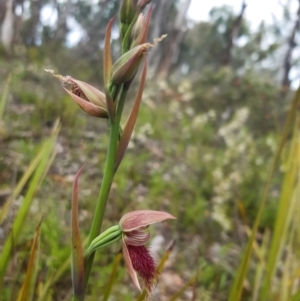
<point>126,67</point>
<point>127,15</point>
<point>127,11</point>
<point>140,30</point>
<point>108,237</point>
<point>137,28</point>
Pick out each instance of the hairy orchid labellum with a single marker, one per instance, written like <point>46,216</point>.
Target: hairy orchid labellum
<point>137,257</point>
<point>90,99</point>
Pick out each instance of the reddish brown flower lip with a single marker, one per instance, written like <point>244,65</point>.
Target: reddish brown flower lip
<point>75,89</point>
<point>137,257</point>
<point>144,265</point>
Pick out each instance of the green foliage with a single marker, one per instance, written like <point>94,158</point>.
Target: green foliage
<point>201,168</point>
<point>38,168</point>
<point>202,148</point>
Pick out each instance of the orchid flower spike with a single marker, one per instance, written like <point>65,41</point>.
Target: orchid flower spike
<point>137,257</point>
<point>90,99</point>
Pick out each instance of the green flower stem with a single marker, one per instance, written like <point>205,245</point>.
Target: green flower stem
<point>106,183</point>
<point>126,40</point>
<point>114,90</point>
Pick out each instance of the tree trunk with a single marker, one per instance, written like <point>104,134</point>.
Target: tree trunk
<point>35,10</point>
<point>7,26</point>
<point>161,9</point>
<point>63,11</point>
<point>233,32</point>
<point>287,64</point>
<point>174,39</point>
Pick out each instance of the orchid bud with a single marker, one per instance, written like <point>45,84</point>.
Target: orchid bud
<point>137,28</point>
<point>90,99</point>
<point>127,15</point>
<point>108,237</point>
<point>86,91</point>
<point>140,29</point>
<point>126,67</point>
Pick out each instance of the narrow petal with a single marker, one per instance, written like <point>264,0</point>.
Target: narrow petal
<point>142,218</point>
<point>146,26</point>
<point>93,95</point>
<point>130,268</point>
<point>144,265</point>
<point>88,107</point>
<point>137,238</point>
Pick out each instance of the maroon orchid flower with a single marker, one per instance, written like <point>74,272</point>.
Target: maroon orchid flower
<point>137,257</point>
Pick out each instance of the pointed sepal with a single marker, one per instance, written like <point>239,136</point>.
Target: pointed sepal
<point>107,65</point>
<point>139,36</point>
<point>140,219</point>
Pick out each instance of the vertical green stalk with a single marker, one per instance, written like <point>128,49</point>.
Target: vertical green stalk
<point>106,182</point>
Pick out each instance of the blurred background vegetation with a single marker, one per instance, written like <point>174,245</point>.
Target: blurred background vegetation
<point>214,106</point>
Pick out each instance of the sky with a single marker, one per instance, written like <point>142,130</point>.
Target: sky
<point>256,11</point>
